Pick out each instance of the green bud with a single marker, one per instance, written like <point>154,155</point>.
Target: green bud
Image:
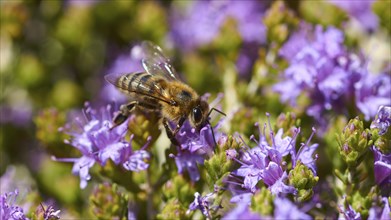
<point>66,94</point>
<point>173,210</point>
<point>48,123</point>
<point>382,142</point>
<point>287,122</point>
<point>243,120</point>
<point>303,179</point>
<point>30,71</point>
<point>108,203</point>
<point>279,22</point>
<point>381,8</point>
<point>362,202</point>
<point>145,23</point>
<point>219,165</point>
<point>262,202</point>
<point>335,15</point>
<point>130,180</point>
<point>142,126</point>
<point>180,189</point>
<point>354,142</point>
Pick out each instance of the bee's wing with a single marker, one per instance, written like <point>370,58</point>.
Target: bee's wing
<point>126,83</point>
<point>155,62</point>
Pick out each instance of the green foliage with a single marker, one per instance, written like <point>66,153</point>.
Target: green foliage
<point>219,166</point>
<point>262,202</point>
<point>173,210</point>
<point>325,13</point>
<point>107,202</point>
<point>279,20</point>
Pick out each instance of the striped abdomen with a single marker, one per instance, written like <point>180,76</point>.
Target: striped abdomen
<point>141,83</point>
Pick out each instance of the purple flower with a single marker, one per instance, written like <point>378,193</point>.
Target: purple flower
<point>98,142</point>
<point>382,167</point>
<point>322,69</point>
<point>18,113</point>
<point>372,92</point>
<point>242,209</point>
<point>202,203</point>
<point>193,148</point>
<point>285,209</point>
<point>360,10</point>
<point>49,213</point>
<point>137,160</point>
<point>305,154</point>
<point>382,120</point>
<point>264,162</point>
<point>349,213</point>
<point>8,209</point>
<point>380,213</point>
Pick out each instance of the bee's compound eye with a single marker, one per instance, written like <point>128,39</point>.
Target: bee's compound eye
<point>197,115</point>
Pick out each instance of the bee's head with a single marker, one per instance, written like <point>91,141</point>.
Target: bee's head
<point>199,114</point>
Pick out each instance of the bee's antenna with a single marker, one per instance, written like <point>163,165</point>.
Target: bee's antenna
<point>211,127</point>
<point>215,109</point>
<point>213,133</point>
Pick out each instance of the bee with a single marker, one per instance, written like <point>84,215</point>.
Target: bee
<point>159,89</point>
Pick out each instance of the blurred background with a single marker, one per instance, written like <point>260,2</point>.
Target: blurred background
<point>54,55</point>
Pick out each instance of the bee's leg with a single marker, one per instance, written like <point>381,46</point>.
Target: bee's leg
<point>123,113</point>
<point>170,133</point>
<point>179,124</point>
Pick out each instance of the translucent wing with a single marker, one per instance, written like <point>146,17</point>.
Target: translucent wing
<point>155,62</point>
<point>139,85</point>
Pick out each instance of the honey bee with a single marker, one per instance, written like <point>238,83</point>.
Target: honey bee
<point>159,89</point>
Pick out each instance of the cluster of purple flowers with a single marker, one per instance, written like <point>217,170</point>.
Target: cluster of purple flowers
<point>266,162</point>
<point>194,147</point>
<point>97,140</point>
<point>322,68</point>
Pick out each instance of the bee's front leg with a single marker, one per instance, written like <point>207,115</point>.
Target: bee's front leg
<point>123,113</point>
<point>170,133</point>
